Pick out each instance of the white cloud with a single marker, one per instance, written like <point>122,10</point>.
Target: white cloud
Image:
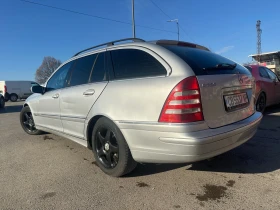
<point>224,49</point>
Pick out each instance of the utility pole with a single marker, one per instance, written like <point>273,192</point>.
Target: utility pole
<point>259,40</point>
<point>133,20</point>
<point>178,30</point>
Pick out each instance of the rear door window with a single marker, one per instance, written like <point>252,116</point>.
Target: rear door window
<point>81,70</point>
<point>199,59</point>
<point>133,63</point>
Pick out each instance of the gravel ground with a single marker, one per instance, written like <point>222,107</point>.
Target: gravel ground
<point>50,172</point>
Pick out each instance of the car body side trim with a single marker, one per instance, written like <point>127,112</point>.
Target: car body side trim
<point>47,115</point>
<point>69,136</point>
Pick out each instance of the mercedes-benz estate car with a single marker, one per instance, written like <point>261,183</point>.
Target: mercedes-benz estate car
<point>150,102</point>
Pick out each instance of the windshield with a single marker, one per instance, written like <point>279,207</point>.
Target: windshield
<point>205,62</point>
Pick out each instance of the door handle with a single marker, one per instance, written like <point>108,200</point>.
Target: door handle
<point>55,96</point>
<point>89,92</point>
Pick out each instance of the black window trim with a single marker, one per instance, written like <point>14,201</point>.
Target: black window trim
<point>163,62</point>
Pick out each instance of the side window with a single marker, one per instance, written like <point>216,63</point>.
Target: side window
<point>98,73</point>
<point>263,73</point>
<point>132,63</point>
<point>81,70</point>
<point>59,78</point>
<point>272,75</point>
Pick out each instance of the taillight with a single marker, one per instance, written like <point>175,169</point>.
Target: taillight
<point>183,103</point>
<point>5,88</point>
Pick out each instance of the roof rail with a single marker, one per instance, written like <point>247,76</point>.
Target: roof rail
<point>110,44</point>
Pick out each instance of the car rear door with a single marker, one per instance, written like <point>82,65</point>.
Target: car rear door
<point>88,80</point>
<point>276,83</point>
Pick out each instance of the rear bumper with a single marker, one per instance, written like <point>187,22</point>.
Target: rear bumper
<point>170,144</point>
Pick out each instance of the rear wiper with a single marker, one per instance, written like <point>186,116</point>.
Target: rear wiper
<point>225,66</point>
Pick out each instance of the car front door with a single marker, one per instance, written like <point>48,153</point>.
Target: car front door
<point>48,112</point>
<point>276,82</point>
<point>87,81</point>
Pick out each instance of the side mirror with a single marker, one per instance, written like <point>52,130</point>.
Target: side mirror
<point>37,89</point>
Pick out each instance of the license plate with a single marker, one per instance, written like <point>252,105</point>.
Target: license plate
<point>236,101</point>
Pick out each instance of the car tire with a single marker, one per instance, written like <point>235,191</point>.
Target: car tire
<point>2,102</point>
<point>261,103</point>
<point>110,149</point>
<point>13,97</point>
<point>27,122</point>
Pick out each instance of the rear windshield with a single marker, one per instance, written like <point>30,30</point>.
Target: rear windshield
<point>198,59</point>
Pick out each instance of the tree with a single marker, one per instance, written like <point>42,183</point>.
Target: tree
<point>48,66</point>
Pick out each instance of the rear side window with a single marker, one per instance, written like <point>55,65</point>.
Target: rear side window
<point>199,59</point>
<point>81,70</point>
<point>263,73</point>
<point>132,63</point>
<point>98,73</point>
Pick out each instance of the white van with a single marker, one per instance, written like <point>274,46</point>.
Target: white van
<point>14,90</point>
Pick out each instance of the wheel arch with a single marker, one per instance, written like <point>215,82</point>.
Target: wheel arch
<point>90,125</point>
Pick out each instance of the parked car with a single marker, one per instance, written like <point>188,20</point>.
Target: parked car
<point>2,101</point>
<point>267,86</point>
<point>149,102</point>
<point>14,90</point>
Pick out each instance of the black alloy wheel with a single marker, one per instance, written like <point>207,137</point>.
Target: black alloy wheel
<point>107,148</point>
<point>27,122</point>
<point>261,103</point>
<point>110,149</point>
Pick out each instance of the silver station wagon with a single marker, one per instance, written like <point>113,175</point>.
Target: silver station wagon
<point>150,102</point>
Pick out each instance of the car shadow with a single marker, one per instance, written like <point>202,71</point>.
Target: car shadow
<point>10,109</point>
<point>258,155</point>
<point>150,168</point>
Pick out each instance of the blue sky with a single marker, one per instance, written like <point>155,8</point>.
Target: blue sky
<point>29,32</point>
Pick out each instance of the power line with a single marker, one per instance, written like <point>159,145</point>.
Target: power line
<point>93,16</point>
<point>161,10</point>
<point>169,17</point>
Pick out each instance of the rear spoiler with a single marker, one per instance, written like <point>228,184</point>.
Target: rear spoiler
<point>180,43</point>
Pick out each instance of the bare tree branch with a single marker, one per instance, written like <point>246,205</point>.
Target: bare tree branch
<point>48,66</point>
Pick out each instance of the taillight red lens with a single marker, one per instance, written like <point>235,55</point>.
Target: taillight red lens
<point>183,103</point>
<point>5,88</point>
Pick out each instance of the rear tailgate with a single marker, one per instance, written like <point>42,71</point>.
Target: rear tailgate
<point>226,88</point>
<point>226,98</point>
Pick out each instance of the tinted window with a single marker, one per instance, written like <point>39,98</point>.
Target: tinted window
<point>59,78</point>
<point>199,59</point>
<point>272,75</point>
<point>130,63</point>
<point>81,70</point>
<point>98,73</point>
<point>263,73</point>
<point>249,68</point>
